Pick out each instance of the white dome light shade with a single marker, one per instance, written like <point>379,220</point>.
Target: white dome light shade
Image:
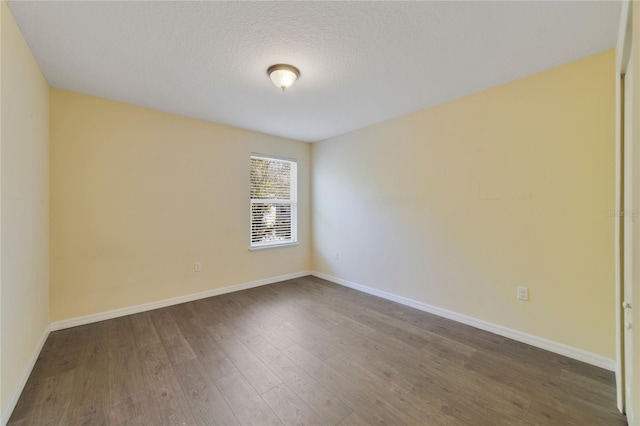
<point>283,75</point>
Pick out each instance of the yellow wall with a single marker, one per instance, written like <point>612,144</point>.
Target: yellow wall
<point>25,206</point>
<point>457,205</point>
<point>138,195</point>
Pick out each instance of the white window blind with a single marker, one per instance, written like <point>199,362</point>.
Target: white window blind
<point>274,209</point>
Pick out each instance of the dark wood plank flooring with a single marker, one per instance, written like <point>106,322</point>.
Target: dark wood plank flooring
<point>304,351</point>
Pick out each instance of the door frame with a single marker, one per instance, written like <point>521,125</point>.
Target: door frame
<point>623,55</point>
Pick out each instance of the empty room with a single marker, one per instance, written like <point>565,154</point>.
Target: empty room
<point>319,213</point>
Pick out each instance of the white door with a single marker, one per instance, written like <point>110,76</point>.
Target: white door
<point>631,229</point>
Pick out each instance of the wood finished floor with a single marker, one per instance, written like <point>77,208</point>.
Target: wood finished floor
<point>304,351</point>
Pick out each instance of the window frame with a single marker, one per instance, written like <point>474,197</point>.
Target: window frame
<point>292,201</point>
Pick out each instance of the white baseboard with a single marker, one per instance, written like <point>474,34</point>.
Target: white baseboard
<point>539,342</point>
<point>101,316</point>
<point>11,404</point>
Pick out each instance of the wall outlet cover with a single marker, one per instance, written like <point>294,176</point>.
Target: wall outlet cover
<point>523,293</point>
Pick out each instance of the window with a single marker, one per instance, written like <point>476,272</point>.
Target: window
<point>274,209</point>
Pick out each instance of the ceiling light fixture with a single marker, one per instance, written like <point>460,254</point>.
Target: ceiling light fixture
<point>283,75</point>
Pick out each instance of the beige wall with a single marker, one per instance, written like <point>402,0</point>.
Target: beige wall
<point>457,205</point>
<point>25,206</point>
<point>138,195</point>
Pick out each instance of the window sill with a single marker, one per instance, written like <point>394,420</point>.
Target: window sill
<point>272,246</point>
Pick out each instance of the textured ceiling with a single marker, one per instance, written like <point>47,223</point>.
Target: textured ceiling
<point>360,62</point>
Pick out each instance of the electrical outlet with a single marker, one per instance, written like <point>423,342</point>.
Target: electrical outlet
<point>197,266</point>
<point>523,293</point>
<point>337,255</point>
